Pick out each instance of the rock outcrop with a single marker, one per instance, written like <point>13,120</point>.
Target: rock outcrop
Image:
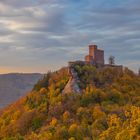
<point>72,85</point>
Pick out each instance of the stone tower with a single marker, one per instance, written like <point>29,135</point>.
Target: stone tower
<point>95,56</point>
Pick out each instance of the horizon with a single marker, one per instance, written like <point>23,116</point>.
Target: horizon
<point>45,72</point>
<point>42,35</point>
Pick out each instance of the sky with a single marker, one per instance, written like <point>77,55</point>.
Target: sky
<point>42,35</point>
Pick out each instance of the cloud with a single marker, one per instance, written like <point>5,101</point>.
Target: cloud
<point>47,31</point>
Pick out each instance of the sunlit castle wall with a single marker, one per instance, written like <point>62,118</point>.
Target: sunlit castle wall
<point>92,50</point>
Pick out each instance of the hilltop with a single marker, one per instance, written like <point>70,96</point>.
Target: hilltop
<point>106,108</point>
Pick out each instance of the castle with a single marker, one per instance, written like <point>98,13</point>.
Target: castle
<point>95,56</point>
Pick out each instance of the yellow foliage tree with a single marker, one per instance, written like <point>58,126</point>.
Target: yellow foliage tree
<point>66,116</point>
<point>43,90</point>
<point>53,121</point>
<point>73,129</point>
<point>72,138</point>
<point>98,113</point>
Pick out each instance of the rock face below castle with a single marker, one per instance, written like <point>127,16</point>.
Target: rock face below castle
<point>95,56</point>
<point>72,85</point>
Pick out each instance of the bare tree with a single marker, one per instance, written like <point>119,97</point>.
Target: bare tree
<point>139,72</point>
<point>111,60</point>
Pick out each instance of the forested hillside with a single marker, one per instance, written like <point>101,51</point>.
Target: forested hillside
<point>107,109</point>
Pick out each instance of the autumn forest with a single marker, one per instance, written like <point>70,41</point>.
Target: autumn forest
<point>107,109</point>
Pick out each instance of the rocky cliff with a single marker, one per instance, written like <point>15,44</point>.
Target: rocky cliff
<point>72,85</point>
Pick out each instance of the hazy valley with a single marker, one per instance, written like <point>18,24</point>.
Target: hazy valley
<point>15,85</point>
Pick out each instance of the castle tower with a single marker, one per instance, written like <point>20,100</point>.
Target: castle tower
<point>92,50</point>
<point>95,56</point>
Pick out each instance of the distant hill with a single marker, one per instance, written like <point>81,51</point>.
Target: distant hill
<point>15,85</point>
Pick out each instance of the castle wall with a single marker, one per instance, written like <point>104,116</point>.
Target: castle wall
<point>99,59</point>
<point>119,67</point>
<point>89,59</point>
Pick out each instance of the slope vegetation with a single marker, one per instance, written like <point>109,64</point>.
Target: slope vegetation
<point>107,109</point>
